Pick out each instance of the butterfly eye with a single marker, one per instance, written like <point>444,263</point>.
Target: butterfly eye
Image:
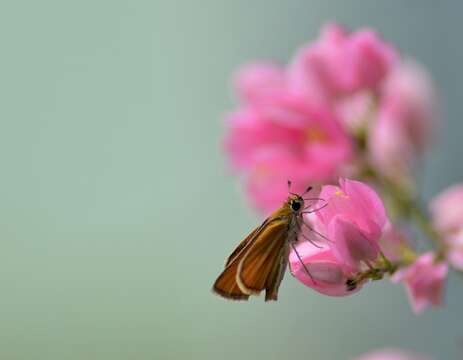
<point>295,205</point>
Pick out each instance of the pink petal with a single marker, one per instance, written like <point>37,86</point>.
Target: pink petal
<point>327,275</point>
<point>424,281</point>
<point>339,63</point>
<point>249,134</point>
<point>367,202</point>
<point>447,209</point>
<point>370,58</point>
<point>349,244</point>
<point>356,202</point>
<point>304,145</point>
<point>406,122</point>
<point>255,81</point>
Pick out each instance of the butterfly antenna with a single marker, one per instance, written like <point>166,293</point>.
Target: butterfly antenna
<point>289,188</point>
<point>315,210</point>
<point>314,199</point>
<point>307,190</point>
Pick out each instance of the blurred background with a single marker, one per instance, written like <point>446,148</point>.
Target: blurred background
<point>117,209</point>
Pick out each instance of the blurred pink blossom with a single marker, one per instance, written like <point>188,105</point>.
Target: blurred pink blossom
<point>355,111</point>
<point>405,122</point>
<point>455,250</point>
<point>340,63</point>
<point>392,354</point>
<point>255,81</point>
<point>447,216</point>
<point>300,122</point>
<point>328,275</point>
<point>284,138</point>
<point>354,218</point>
<point>447,210</point>
<point>424,280</point>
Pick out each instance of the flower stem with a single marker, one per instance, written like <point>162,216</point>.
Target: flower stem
<point>421,218</point>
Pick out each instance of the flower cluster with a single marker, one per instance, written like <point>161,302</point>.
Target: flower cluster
<point>353,220</point>
<point>353,115</point>
<point>346,103</point>
<point>362,244</point>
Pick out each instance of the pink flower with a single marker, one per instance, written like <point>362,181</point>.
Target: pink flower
<point>353,218</point>
<point>355,111</point>
<point>447,216</point>
<point>447,210</point>
<point>327,275</point>
<point>455,250</point>
<point>424,280</point>
<point>370,59</point>
<point>339,63</point>
<point>405,122</point>
<point>392,354</point>
<point>284,138</point>
<point>255,81</point>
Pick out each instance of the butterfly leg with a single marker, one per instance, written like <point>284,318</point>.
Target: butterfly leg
<point>302,263</point>
<point>300,223</point>
<point>311,241</point>
<point>315,231</point>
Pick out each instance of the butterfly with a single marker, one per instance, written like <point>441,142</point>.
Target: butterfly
<point>259,262</point>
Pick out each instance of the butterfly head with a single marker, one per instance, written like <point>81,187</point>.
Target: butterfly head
<point>296,203</point>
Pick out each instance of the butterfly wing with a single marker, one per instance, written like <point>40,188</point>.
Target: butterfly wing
<point>263,265</point>
<point>226,285</point>
<point>276,276</point>
<point>259,261</point>
<point>243,244</point>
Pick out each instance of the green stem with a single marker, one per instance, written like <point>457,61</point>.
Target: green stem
<point>421,218</point>
<point>402,201</point>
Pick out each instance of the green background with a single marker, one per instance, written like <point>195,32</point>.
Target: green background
<point>116,206</point>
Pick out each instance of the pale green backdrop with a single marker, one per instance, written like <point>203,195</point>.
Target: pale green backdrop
<point>116,207</point>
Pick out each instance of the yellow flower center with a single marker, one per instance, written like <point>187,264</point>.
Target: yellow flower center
<point>314,134</point>
<point>340,193</point>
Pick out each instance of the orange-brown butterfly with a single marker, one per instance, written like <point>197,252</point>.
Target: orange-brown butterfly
<point>259,262</point>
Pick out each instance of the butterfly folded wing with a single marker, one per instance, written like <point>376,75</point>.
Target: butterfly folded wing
<point>246,242</point>
<point>226,285</point>
<point>263,265</point>
<point>275,278</point>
